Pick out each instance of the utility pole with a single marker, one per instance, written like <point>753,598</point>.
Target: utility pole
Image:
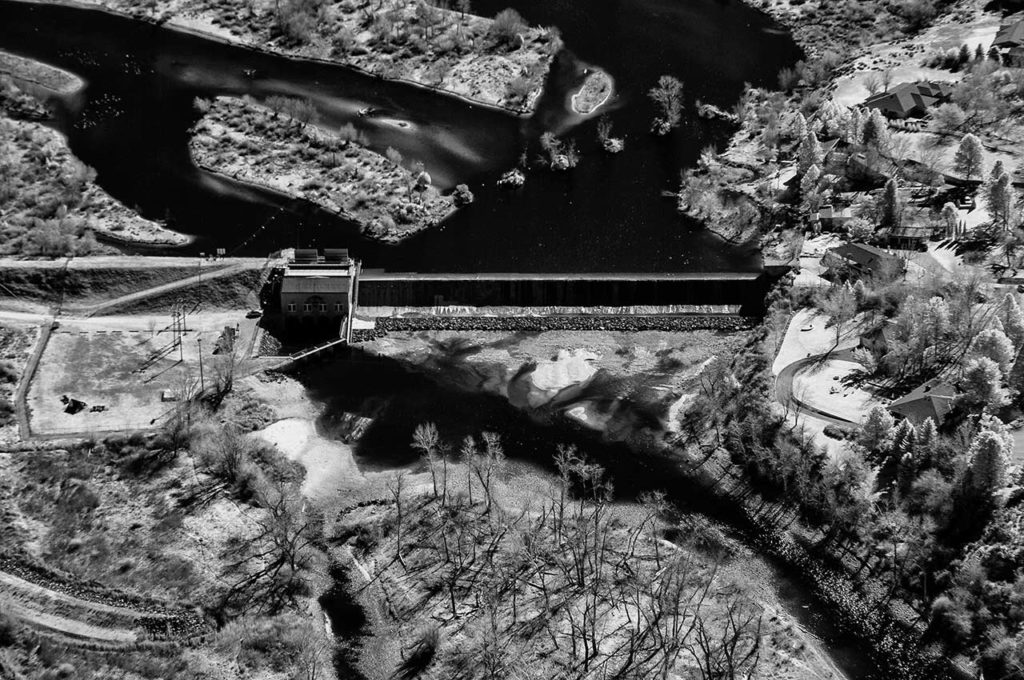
<point>202,380</point>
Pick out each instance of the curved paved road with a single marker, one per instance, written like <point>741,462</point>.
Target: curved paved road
<point>784,388</point>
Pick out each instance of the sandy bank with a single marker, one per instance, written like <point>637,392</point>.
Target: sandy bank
<point>35,73</point>
<point>595,92</point>
<point>331,471</point>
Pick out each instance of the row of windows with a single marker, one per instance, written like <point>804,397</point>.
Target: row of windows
<point>322,307</point>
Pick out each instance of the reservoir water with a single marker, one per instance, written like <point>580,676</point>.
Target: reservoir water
<point>610,213</point>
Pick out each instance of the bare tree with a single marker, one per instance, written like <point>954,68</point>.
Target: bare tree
<point>396,485</point>
<point>270,570</point>
<point>425,438</point>
<point>727,645</point>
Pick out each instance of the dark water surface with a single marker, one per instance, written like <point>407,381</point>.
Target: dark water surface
<point>608,214</point>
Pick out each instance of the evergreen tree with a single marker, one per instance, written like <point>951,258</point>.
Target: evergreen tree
<point>891,206</point>
<point>876,430</point>
<point>989,461</point>
<point>997,169</point>
<point>927,437</point>
<point>809,153</point>
<point>1013,320</point>
<point>969,158</point>
<point>993,344</point>
<point>904,437</point>
<point>983,384</point>
<point>999,201</point>
<point>876,131</point>
<point>798,126</point>
<point>860,292</point>
<point>951,218</point>
<point>810,197</point>
<point>854,132</point>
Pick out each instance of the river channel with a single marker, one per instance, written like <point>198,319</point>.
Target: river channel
<point>131,123</point>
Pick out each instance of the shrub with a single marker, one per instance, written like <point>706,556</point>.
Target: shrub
<point>6,411</point>
<point>8,373</point>
<point>917,13</point>
<point>505,29</point>
<point>8,630</point>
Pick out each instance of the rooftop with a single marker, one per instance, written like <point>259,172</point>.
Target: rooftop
<point>1011,33</point>
<point>316,281</point>
<point>863,255</point>
<point>907,97</point>
<point>934,400</point>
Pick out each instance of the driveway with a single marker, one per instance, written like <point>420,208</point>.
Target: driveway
<point>784,388</point>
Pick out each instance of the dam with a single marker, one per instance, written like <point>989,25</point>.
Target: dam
<point>739,293</point>
<point>329,294</point>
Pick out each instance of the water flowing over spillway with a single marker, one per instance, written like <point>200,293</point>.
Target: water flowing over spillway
<point>608,214</point>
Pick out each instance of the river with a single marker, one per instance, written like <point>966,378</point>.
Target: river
<point>397,400</point>
<point>131,123</point>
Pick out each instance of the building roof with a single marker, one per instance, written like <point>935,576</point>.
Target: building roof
<point>917,231</point>
<point>316,281</point>
<point>829,212</point>
<point>934,400</point>
<point>1011,33</point>
<point>863,255</point>
<point>905,98</point>
<point>881,332</point>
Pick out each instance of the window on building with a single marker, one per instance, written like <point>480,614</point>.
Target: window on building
<point>291,306</point>
<point>307,307</point>
<point>338,306</point>
<point>323,306</point>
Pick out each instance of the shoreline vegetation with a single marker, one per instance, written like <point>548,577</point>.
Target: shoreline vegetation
<point>279,147</point>
<point>500,63</point>
<point>733,191</point>
<point>50,204</point>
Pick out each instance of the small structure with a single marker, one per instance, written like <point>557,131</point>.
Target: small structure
<point>934,400</point>
<point>1010,39</point>
<point>861,260</point>
<point>878,339</point>
<point>831,218</point>
<point>911,237</point>
<point>910,100</point>
<point>317,291</point>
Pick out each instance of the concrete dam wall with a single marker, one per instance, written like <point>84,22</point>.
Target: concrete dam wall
<point>384,289</point>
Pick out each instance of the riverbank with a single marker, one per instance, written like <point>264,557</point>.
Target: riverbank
<point>375,501</point>
<point>270,148</point>
<point>751,185</point>
<point>500,62</point>
<point>28,77</point>
<point>53,205</point>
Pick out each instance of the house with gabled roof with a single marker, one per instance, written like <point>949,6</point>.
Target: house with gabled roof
<point>910,100</point>
<point>861,260</point>
<point>1009,41</point>
<point>934,400</point>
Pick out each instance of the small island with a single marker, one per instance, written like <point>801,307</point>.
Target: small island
<point>596,91</point>
<point>277,147</point>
